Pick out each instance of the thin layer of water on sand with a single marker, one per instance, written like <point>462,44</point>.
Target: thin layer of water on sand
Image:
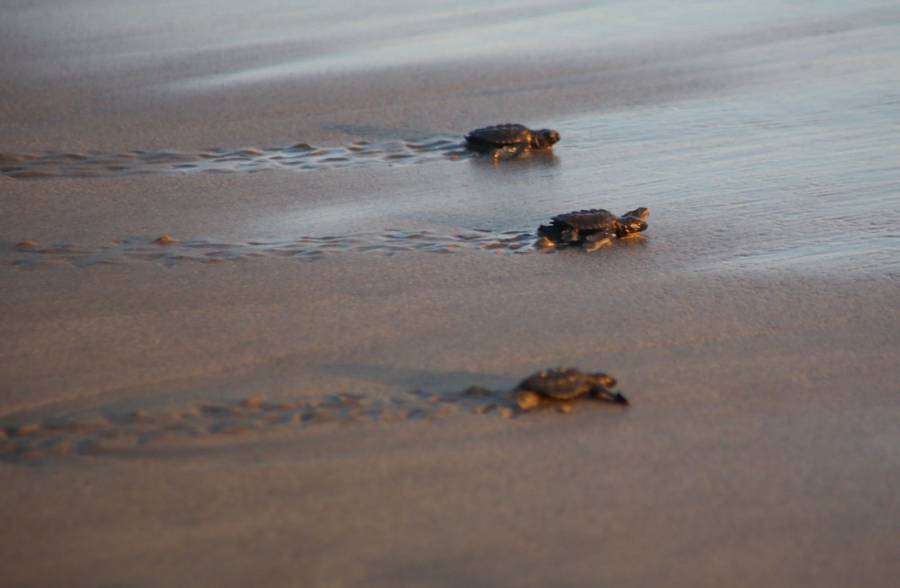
<point>169,251</point>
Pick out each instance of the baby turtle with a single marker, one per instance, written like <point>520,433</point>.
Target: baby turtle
<point>592,229</point>
<point>510,140</point>
<point>564,385</point>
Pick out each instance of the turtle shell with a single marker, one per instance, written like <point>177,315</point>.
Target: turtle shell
<point>500,135</point>
<point>558,383</point>
<point>589,220</point>
<point>585,221</point>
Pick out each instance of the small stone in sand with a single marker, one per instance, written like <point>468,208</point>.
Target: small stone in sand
<point>218,410</point>
<point>444,410</point>
<point>138,416</point>
<point>26,245</point>
<point>254,403</point>
<point>484,408</point>
<point>165,239</point>
<point>507,412</point>
<point>476,391</point>
<point>23,430</point>
<point>565,408</point>
<point>232,428</point>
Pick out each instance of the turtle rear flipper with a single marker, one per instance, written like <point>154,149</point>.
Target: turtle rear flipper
<point>553,231</point>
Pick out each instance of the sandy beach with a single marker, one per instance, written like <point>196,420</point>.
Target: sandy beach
<point>312,384</point>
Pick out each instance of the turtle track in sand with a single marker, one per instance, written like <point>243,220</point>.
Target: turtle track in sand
<point>31,255</point>
<point>298,157</point>
<point>125,434</point>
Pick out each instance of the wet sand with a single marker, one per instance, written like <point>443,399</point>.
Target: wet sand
<point>312,383</point>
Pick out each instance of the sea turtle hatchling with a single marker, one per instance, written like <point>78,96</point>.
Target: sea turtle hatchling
<point>564,385</point>
<point>593,228</point>
<point>510,140</point>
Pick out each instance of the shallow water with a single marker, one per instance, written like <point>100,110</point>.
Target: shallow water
<point>761,136</point>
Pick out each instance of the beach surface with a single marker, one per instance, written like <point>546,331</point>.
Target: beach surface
<point>311,382</point>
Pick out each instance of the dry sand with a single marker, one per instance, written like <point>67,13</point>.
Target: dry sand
<point>281,397</point>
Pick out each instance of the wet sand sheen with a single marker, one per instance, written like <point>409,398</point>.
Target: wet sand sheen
<point>250,421</point>
<point>168,251</point>
<point>300,157</point>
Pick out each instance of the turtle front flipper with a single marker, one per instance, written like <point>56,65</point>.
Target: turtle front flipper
<point>595,241</point>
<point>603,393</point>
<point>507,152</point>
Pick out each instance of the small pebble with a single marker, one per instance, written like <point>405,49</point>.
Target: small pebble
<point>443,411</point>
<point>507,412</point>
<point>477,391</point>
<point>321,416</point>
<point>218,410</point>
<point>231,428</point>
<point>484,408</point>
<point>26,245</point>
<point>23,430</point>
<point>165,239</point>
<point>138,416</point>
<point>252,403</point>
<point>565,408</point>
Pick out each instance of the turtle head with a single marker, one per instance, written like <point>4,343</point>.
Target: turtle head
<point>544,138</point>
<point>610,396</point>
<point>602,380</point>
<point>601,385</point>
<point>634,221</point>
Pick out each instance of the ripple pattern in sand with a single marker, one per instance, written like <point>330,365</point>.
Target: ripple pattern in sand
<point>301,157</point>
<point>169,251</point>
<point>123,434</point>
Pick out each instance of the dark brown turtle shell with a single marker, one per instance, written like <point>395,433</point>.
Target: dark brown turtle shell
<point>511,136</point>
<point>500,135</point>
<point>595,219</point>
<point>558,383</point>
